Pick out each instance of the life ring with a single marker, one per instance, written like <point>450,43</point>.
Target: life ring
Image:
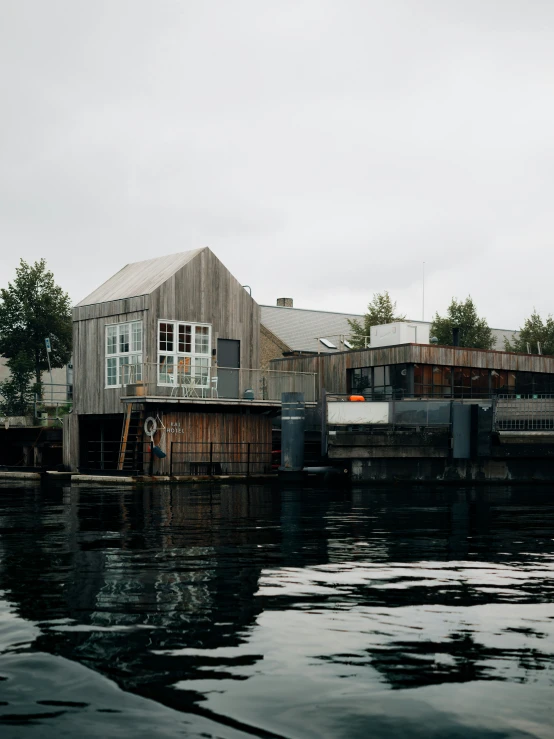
<point>150,427</point>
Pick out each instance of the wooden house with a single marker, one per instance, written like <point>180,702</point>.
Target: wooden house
<point>173,339</point>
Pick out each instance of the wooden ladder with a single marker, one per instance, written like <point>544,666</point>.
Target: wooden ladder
<point>131,438</point>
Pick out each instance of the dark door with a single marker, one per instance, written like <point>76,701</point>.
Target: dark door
<point>228,363</point>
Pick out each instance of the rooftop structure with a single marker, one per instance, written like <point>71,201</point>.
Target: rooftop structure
<point>287,330</point>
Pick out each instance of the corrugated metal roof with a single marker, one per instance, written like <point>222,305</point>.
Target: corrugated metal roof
<point>300,329</point>
<point>139,278</point>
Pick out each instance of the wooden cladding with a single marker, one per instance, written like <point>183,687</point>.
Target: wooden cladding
<point>332,368</point>
<point>202,291</point>
<point>186,427</point>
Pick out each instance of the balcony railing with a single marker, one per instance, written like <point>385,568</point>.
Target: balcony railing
<point>524,413</point>
<point>150,379</point>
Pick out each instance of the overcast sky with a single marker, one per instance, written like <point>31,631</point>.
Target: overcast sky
<point>323,150</point>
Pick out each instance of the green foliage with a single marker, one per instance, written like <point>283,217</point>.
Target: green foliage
<point>380,310</point>
<point>474,331</point>
<point>32,308</point>
<point>16,393</point>
<point>534,331</point>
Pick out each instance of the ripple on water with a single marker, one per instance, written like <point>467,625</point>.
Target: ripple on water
<point>237,611</point>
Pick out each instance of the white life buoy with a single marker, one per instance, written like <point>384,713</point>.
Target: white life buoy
<point>150,427</point>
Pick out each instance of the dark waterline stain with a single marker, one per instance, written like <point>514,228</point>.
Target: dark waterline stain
<point>239,611</point>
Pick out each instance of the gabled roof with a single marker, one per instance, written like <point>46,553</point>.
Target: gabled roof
<point>139,278</point>
<point>300,329</point>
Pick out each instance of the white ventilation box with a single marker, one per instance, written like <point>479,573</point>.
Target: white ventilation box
<point>402,332</point>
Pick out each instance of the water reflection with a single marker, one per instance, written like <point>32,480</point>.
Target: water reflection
<point>248,606</point>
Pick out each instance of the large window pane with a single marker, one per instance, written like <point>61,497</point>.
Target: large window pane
<point>184,367</point>
<point>123,350</point>
<point>524,383</point>
<point>136,336</point>
<point>462,382</point>
<point>499,381</point>
<point>111,343</point>
<point>166,337</point>
<point>479,383</point>
<point>201,371</point>
<point>360,379</point>
<point>124,372</point>
<point>399,379</point>
<point>124,334</point>
<point>135,367</point>
<point>166,370</point>
<point>201,340</point>
<point>111,371</point>
<point>185,333</point>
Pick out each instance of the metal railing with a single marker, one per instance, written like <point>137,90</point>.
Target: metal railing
<point>104,455</point>
<point>53,401</point>
<point>524,413</point>
<point>214,458</point>
<point>180,381</point>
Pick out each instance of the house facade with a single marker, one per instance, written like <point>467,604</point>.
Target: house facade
<point>174,340</point>
<point>426,371</point>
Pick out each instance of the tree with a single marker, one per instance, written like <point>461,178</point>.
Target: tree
<point>16,393</point>
<point>32,308</point>
<point>533,332</point>
<point>474,331</point>
<point>380,310</point>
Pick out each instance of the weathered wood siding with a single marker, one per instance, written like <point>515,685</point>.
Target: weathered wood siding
<point>190,427</point>
<point>332,368</point>
<point>89,358</point>
<point>202,291</point>
<point>70,442</point>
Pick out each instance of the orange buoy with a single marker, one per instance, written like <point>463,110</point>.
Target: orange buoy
<point>357,398</point>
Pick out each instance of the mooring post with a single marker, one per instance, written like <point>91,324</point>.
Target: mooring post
<point>293,417</point>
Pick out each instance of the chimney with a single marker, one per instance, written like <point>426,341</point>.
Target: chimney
<point>284,302</point>
<point>455,336</point>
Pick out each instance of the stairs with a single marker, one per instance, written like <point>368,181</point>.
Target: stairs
<point>131,449</point>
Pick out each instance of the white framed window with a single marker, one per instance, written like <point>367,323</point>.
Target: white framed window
<point>184,353</point>
<point>123,353</point>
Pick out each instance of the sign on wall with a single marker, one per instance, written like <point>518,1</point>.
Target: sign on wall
<point>347,414</point>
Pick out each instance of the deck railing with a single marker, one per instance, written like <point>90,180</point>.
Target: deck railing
<point>183,381</point>
<point>52,402</point>
<point>524,413</point>
<point>212,458</point>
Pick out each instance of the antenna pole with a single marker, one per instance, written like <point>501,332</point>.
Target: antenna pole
<point>423,295</point>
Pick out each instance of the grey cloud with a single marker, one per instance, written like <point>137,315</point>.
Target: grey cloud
<point>321,149</point>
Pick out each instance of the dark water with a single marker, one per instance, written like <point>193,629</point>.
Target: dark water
<point>234,612</point>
